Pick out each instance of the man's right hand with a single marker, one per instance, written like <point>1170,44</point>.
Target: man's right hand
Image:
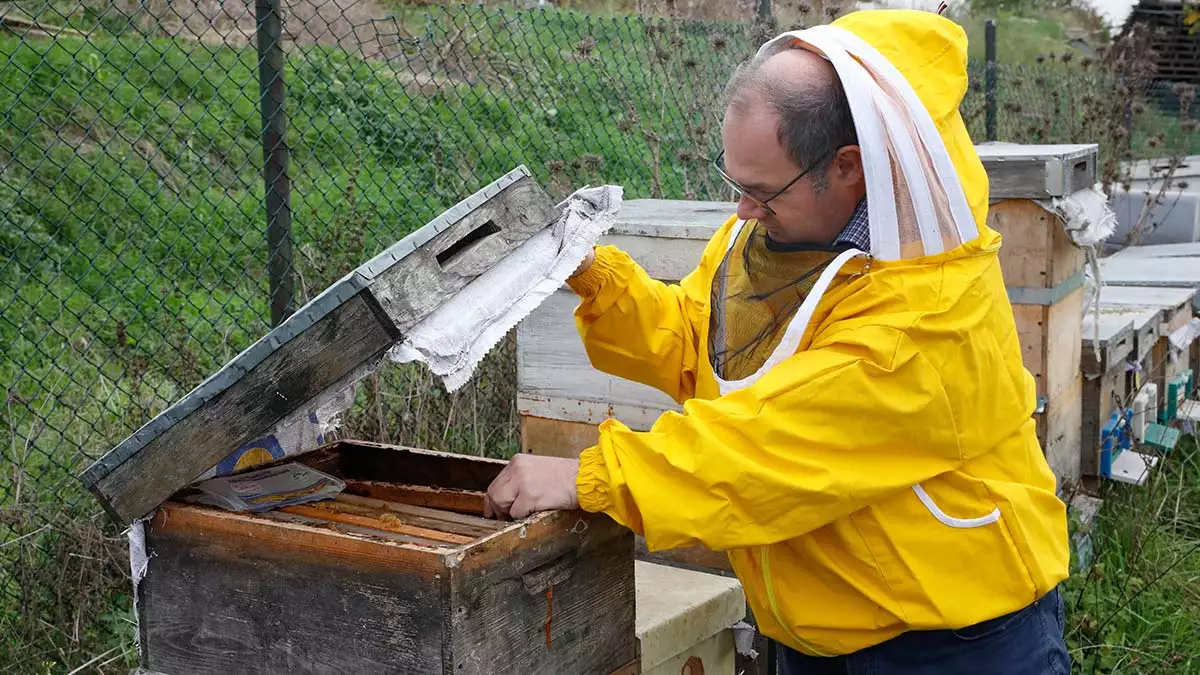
<point>585,264</point>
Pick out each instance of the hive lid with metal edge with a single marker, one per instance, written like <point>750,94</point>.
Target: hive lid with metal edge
<point>323,348</point>
<point>1019,171</point>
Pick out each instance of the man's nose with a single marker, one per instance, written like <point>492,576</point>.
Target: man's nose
<point>748,209</point>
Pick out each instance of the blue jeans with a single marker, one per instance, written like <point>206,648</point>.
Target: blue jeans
<point>1026,642</point>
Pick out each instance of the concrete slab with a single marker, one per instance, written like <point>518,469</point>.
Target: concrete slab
<point>683,619</point>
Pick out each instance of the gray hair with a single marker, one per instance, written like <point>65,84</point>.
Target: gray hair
<point>813,121</point>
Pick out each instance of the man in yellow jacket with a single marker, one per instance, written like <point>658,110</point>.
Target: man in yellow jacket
<point>857,427</point>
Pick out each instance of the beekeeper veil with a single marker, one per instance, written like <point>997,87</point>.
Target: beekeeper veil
<point>762,299</point>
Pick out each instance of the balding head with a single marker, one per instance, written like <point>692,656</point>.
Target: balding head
<point>802,91</point>
<point>789,139</point>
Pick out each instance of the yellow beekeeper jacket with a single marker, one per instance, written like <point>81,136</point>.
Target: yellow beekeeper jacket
<point>886,476</point>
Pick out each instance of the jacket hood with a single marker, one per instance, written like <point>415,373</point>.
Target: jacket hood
<point>930,51</point>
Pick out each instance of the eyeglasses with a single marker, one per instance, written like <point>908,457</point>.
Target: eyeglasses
<point>762,203</point>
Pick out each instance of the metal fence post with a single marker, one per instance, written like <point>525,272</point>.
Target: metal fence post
<point>269,30</point>
<point>764,11</point>
<point>990,77</point>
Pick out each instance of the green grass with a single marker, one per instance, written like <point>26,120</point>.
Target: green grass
<point>1136,609</point>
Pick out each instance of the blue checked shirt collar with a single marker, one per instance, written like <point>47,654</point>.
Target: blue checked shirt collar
<point>857,232</point>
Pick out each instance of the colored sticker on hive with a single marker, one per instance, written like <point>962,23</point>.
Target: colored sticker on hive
<point>251,454</point>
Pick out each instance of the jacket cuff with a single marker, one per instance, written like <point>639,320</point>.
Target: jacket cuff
<point>591,483</point>
<point>604,266</point>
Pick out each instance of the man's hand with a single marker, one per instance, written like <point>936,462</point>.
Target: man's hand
<point>585,264</point>
<point>532,483</point>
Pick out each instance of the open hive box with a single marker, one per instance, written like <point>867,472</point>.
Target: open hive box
<point>398,572</point>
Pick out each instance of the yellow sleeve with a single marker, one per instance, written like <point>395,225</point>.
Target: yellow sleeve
<point>639,328</point>
<point>818,437</point>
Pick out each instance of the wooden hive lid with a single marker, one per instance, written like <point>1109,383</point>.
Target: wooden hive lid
<point>321,349</point>
<point>1021,171</point>
<point>1133,270</point>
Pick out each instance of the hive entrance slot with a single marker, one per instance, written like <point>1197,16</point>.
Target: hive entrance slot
<point>473,237</point>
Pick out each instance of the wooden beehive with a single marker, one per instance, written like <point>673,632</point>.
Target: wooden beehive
<point>400,574</point>
<point>1108,344</point>
<point>1164,266</point>
<point>1165,361</point>
<point>1043,271</point>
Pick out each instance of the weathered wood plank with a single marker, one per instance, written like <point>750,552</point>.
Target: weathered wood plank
<point>556,437</point>
<point>1036,252</point>
<point>473,526</point>
<point>1115,341</point>
<point>371,518</point>
<point>1064,349</point>
<point>1145,322</point>
<point>666,259</point>
<point>467,502</point>
<point>638,418</point>
<point>1122,271</point>
<point>1062,427</point>
<point>1018,171</point>
<point>361,460</point>
<point>230,593</point>
<point>292,592</point>
<point>369,532</point>
<point>1181,250</point>
<point>1101,396</point>
<point>566,577</point>
<point>552,362</point>
<point>1149,296</point>
<point>672,218</point>
<point>334,346</point>
<point>421,281</point>
<point>693,557</point>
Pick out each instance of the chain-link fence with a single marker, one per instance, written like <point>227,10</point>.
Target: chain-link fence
<point>176,176</point>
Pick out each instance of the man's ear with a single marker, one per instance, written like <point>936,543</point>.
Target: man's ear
<point>847,166</point>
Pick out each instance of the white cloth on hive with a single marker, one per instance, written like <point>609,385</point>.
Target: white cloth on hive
<point>457,335</point>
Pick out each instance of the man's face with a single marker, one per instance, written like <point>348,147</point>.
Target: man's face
<point>756,160</point>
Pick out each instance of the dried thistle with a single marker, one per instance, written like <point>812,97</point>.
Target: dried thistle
<point>585,46</point>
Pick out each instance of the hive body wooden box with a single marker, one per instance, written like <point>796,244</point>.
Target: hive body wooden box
<point>1109,343</point>
<point>290,591</point>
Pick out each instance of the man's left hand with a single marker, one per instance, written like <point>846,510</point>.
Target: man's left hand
<point>532,483</point>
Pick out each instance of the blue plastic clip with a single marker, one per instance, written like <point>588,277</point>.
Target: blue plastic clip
<point>1110,443</point>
